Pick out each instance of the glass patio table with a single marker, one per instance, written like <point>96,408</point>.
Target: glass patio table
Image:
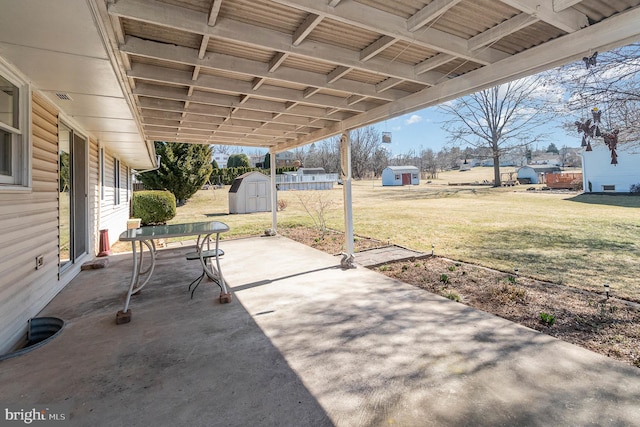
<point>145,236</point>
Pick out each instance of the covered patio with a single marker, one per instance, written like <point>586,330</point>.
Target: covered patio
<point>304,343</point>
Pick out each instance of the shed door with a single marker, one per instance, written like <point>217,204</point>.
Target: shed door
<point>252,197</point>
<point>406,179</point>
<point>256,196</point>
<point>262,196</point>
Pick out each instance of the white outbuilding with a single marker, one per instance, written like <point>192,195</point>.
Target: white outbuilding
<point>400,175</point>
<point>528,175</point>
<point>250,192</point>
<point>600,176</point>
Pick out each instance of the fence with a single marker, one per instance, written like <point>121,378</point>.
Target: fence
<point>563,180</point>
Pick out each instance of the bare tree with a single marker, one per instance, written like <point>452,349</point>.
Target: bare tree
<point>364,143</point>
<point>500,118</point>
<point>607,81</point>
<point>324,154</point>
<point>429,163</point>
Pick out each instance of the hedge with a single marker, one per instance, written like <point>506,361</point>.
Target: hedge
<point>153,206</point>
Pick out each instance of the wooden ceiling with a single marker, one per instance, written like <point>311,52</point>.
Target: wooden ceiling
<point>285,73</point>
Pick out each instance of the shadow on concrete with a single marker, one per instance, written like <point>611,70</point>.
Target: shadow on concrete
<point>179,362</point>
<point>376,352</point>
<point>309,345</point>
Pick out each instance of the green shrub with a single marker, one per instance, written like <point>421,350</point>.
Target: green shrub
<point>154,206</point>
<point>548,319</point>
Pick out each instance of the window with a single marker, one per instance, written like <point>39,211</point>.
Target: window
<point>608,188</point>
<point>116,181</point>
<point>397,177</point>
<point>14,129</point>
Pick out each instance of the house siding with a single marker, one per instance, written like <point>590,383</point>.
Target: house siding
<point>114,217</point>
<point>29,228</point>
<point>598,170</point>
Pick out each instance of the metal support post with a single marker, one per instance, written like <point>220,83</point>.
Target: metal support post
<point>345,174</point>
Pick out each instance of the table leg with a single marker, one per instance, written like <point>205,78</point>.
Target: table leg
<point>215,273</point>
<point>124,315</point>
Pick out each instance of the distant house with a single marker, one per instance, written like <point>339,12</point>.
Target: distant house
<point>600,176</point>
<point>400,175</point>
<point>221,159</point>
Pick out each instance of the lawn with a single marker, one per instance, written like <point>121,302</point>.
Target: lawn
<point>583,241</point>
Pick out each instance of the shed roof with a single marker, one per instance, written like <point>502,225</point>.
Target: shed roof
<point>402,168</point>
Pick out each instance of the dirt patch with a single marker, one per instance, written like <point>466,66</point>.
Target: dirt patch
<point>331,241</point>
<point>607,326</point>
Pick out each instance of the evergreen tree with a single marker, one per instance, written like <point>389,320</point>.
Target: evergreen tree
<point>238,161</point>
<point>184,169</point>
<point>552,148</point>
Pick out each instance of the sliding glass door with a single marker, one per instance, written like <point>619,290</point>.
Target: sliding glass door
<point>73,189</point>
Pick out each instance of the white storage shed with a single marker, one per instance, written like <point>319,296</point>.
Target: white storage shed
<point>528,175</point>
<point>250,192</point>
<point>400,175</point>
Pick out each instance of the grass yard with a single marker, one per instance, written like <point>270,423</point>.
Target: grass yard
<point>577,240</point>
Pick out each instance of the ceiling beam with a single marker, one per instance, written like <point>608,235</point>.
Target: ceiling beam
<point>334,3</point>
<point>378,21</point>
<point>617,31</point>
<point>277,61</point>
<point>160,106</point>
<point>216,61</point>
<point>501,30</point>
<point>560,5</point>
<point>264,38</point>
<point>388,84</point>
<point>311,21</point>
<point>569,20</point>
<point>214,99</point>
<point>338,73</point>
<point>214,12</point>
<point>433,62</point>
<point>376,47</point>
<point>430,12</point>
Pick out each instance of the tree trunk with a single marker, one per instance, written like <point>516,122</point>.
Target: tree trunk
<point>496,170</point>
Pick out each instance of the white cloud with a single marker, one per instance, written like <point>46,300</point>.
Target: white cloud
<point>413,119</point>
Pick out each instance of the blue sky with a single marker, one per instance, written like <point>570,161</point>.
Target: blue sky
<point>423,129</point>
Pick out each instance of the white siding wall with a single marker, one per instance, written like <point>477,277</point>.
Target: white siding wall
<point>28,228</point>
<point>113,217</point>
<point>597,169</point>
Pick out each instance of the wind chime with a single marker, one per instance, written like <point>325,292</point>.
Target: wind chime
<point>591,128</point>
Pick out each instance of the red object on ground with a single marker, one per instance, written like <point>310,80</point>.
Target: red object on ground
<point>105,249</point>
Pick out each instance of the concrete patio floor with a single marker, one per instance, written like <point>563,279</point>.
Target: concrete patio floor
<point>303,343</point>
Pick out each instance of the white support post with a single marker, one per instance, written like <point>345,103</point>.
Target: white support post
<point>274,193</point>
<point>345,174</point>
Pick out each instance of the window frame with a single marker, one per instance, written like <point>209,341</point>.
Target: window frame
<point>116,181</point>
<point>102,176</point>
<point>20,178</point>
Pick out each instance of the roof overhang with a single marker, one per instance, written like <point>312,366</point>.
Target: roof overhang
<point>284,73</point>
<point>59,47</point>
